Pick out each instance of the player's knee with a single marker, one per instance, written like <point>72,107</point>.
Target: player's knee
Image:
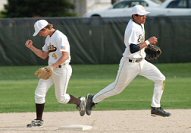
<point>162,78</point>
<point>117,91</point>
<point>160,84</point>
<point>119,87</point>
<point>39,99</point>
<point>63,99</point>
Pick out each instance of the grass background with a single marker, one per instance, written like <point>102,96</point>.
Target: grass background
<point>17,86</point>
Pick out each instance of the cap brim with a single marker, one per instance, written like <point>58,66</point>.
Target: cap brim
<point>144,13</point>
<point>35,33</point>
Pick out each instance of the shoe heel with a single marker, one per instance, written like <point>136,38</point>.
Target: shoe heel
<point>153,115</point>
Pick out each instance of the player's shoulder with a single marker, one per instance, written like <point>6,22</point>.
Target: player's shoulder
<point>132,25</point>
<point>132,28</point>
<point>60,34</point>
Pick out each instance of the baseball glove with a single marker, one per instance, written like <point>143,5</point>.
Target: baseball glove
<point>44,72</point>
<point>152,52</point>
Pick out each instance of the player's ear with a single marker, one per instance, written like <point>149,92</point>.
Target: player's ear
<point>133,16</point>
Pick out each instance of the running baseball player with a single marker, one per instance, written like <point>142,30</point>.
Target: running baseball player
<point>57,50</point>
<point>133,63</point>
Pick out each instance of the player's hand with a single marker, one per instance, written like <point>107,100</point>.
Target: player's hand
<point>153,40</point>
<point>29,44</point>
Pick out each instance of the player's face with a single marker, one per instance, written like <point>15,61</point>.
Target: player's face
<point>43,32</point>
<point>140,19</point>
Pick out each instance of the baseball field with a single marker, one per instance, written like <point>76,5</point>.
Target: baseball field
<point>126,112</point>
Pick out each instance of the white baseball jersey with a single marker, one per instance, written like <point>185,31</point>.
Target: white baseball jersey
<point>134,35</point>
<point>55,44</point>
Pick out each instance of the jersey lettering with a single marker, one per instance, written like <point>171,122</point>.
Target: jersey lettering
<point>54,55</point>
<point>140,39</point>
<point>51,48</point>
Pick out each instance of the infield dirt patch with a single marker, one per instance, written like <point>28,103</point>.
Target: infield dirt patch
<point>128,121</point>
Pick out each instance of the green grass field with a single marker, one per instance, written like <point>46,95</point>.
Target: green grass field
<point>17,86</point>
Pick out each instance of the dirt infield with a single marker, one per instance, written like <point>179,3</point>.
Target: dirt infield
<point>129,121</point>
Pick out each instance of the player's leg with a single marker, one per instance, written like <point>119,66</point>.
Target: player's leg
<point>153,73</point>
<point>40,94</point>
<point>61,79</point>
<point>126,73</point>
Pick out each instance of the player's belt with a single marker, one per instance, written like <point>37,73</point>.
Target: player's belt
<point>60,66</point>
<point>135,60</point>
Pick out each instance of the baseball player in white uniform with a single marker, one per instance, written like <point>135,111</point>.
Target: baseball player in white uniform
<point>133,63</point>
<point>57,50</point>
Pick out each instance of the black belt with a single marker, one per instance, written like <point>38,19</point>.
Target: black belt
<point>60,66</point>
<point>135,60</point>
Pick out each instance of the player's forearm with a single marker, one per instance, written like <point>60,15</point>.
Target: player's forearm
<point>39,52</point>
<point>144,44</point>
<point>152,40</point>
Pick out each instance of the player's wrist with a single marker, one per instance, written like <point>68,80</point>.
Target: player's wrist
<point>147,42</point>
<point>52,66</point>
<point>31,48</point>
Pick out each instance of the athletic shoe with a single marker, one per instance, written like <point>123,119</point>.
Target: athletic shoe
<point>82,106</point>
<point>159,111</point>
<point>89,104</point>
<point>35,123</point>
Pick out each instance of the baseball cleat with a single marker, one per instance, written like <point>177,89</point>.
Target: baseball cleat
<point>35,123</point>
<point>82,106</point>
<point>89,104</point>
<point>159,111</point>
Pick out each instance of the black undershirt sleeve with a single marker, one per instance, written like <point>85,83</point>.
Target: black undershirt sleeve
<point>134,48</point>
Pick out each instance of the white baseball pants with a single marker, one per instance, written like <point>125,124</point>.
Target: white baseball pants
<point>60,79</point>
<point>126,73</point>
